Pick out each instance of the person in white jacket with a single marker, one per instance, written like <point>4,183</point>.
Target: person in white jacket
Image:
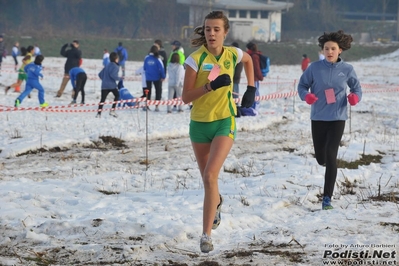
<point>140,71</point>
<point>175,83</point>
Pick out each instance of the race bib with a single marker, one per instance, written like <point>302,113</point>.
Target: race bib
<point>214,73</point>
<point>330,96</point>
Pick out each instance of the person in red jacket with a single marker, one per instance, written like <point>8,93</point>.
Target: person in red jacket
<point>252,50</point>
<point>305,62</point>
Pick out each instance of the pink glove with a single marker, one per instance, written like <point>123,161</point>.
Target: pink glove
<point>310,98</point>
<point>353,99</point>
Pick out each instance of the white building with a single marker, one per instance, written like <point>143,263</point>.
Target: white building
<point>249,19</point>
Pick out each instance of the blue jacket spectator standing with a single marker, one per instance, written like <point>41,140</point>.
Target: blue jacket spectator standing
<point>105,57</point>
<point>154,73</point>
<point>122,54</point>
<point>34,72</point>
<point>15,53</point>
<point>78,80</point>
<point>162,53</point>
<point>124,95</point>
<point>109,78</point>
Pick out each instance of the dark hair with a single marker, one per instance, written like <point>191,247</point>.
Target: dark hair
<point>39,59</point>
<point>200,29</point>
<point>75,41</point>
<point>235,44</point>
<point>120,44</point>
<point>23,51</point>
<point>29,49</point>
<point>343,40</point>
<point>175,58</point>
<point>252,46</point>
<point>159,42</point>
<point>154,50</point>
<point>113,56</point>
<point>305,55</point>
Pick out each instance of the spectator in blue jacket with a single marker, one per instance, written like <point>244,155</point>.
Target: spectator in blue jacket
<point>78,80</point>
<point>34,72</point>
<point>15,53</point>
<point>2,50</point>
<point>124,95</point>
<point>105,57</point>
<point>154,73</point>
<point>109,78</point>
<point>122,54</point>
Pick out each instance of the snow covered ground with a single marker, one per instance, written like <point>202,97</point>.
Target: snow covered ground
<point>71,194</point>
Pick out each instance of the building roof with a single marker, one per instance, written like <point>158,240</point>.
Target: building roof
<point>266,5</point>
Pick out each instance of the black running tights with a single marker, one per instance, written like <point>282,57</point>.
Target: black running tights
<point>80,86</point>
<point>326,139</point>
<point>104,94</point>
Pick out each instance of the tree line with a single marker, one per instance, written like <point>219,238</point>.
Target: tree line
<point>163,18</point>
<point>113,18</point>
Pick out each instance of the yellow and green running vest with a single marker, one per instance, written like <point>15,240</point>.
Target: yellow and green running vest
<point>218,104</point>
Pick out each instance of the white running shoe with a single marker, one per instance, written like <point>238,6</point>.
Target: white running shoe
<point>206,243</point>
<point>112,113</point>
<point>218,215</point>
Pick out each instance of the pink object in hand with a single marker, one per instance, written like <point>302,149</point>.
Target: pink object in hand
<point>310,98</point>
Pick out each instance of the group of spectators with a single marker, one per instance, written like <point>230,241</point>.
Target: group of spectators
<point>156,66</point>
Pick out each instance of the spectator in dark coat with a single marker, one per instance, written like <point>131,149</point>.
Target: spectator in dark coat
<point>2,50</point>
<point>305,62</point>
<point>252,50</point>
<point>237,75</point>
<point>162,53</point>
<point>74,56</point>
